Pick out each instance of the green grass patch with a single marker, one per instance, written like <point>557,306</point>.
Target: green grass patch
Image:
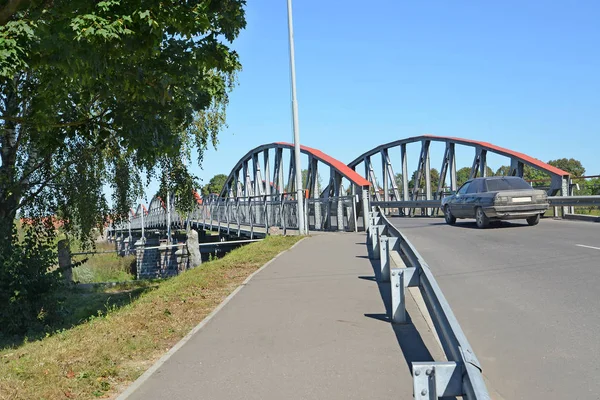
<point>126,330</point>
<point>103,267</point>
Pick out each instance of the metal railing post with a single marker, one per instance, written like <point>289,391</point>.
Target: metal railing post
<point>237,212</point>
<point>387,244</point>
<point>376,242</point>
<point>266,212</point>
<point>398,300</point>
<point>250,214</point>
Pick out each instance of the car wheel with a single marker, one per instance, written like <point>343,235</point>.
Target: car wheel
<point>482,220</point>
<point>534,220</point>
<point>450,219</point>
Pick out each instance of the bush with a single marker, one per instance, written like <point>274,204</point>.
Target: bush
<point>29,279</point>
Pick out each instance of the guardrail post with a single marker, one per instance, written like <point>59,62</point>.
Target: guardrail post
<point>398,300</point>
<point>443,379</point>
<point>378,230</point>
<point>387,244</point>
<point>369,227</point>
<point>384,253</point>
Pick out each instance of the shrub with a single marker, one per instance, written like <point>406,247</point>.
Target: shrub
<point>29,279</point>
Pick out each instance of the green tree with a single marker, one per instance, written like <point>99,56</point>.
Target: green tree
<point>96,93</point>
<point>462,175</point>
<point>533,174</point>
<point>504,170</point>
<point>398,181</point>
<point>570,165</point>
<point>215,185</point>
<point>434,175</point>
<point>319,181</point>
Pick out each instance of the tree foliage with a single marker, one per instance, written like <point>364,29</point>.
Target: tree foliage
<point>319,181</point>
<point>26,285</point>
<point>215,185</point>
<point>96,94</point>
<point>571,165</point>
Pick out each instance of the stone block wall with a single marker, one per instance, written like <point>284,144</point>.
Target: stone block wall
<point>160,261</point>
<point>157,260</point>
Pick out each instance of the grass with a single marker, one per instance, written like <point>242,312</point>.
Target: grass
<point>117,343</point>
<point>104,267</point>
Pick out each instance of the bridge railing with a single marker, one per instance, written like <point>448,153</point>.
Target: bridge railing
<point>461,375</point>
<point>252,214</point>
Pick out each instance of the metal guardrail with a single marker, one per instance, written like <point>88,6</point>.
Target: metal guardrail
<point>461,374</point>
<point>574,201</point>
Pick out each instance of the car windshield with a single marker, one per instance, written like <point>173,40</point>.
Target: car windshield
<point>495,185</point>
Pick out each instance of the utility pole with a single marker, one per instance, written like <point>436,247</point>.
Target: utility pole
<point>296,126</point>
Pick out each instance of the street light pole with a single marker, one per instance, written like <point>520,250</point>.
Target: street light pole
<point>295,122</point>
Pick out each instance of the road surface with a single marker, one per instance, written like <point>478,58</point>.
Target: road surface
<point>528,299</point>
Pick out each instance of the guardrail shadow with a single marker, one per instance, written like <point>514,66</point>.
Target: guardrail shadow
<point>411,343</point>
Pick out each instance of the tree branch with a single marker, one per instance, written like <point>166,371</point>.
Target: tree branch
<point>11,7</point>
<point>27,199</point>
<point>24,121</point>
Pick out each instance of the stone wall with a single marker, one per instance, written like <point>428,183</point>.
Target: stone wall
<point>160,261</point>
<point>157,260</point>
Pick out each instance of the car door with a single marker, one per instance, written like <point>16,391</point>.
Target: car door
<point>472,198</point>
<point>457,206</point>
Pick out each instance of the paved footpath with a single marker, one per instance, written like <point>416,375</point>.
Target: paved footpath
<point>311,325</point>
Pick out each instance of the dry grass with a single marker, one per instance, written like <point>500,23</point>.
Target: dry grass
<point>100,357</point>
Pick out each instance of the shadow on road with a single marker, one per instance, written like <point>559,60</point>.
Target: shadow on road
<point>411,343</point>
<point>493,225</point>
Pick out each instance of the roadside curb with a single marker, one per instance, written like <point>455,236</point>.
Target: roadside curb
<point>582,217</point>
<point>150,371</point>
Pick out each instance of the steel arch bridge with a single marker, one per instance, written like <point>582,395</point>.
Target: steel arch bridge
<point>260,191</point>
<point>253,200</point>
<point>391,191</point>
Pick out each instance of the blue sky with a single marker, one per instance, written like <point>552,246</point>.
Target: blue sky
<point>523,75</point>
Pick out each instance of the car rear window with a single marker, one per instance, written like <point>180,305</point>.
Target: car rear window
<point>494,185</point>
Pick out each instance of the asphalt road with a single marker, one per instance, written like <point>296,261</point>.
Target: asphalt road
<point>527,298</point>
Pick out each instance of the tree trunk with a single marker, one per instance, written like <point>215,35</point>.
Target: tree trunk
<point>9,186</point>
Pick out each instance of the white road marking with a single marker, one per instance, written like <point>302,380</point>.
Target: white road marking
<point>588,247</point>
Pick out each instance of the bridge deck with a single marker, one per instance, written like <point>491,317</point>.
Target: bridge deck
<point>310,325</point>
<point>526,297</point>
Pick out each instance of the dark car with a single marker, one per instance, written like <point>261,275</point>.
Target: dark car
<point>495,198</point>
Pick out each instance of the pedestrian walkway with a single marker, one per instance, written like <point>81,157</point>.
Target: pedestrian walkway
<point>311,325</point>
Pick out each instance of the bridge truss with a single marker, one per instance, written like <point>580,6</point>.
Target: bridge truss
<point>254,199</point>
<point>421,194</point>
